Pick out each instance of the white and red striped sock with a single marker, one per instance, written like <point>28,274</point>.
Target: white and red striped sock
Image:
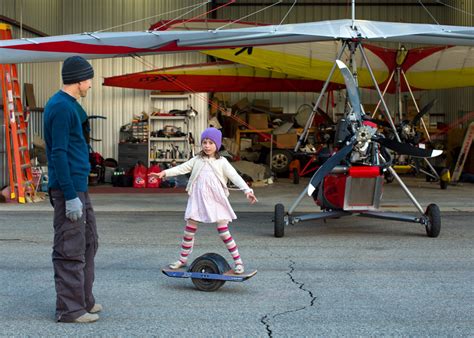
<point>188,241</point>
<point>224,234</point>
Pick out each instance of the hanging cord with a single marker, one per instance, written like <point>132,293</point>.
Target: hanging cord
<point>427,11</point>
<point>156,16</point>
<point>168,23</point>
<point>260,10</point>
<point>455,8</point>
<point>287,13</point>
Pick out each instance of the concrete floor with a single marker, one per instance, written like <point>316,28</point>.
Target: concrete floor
<point>346,277</point>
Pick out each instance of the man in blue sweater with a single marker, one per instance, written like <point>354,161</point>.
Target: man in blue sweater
<point>75,231</point>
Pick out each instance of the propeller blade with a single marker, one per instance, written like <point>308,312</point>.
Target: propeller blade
<point>407,149</point>
<point>351,87</point>
<point>327,167</point>
<point>423,111</point>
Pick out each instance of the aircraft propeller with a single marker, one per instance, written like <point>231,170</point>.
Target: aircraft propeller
<point>363,133</point>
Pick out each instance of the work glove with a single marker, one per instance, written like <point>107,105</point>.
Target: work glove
<point>74,209</point>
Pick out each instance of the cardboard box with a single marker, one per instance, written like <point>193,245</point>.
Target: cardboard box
<point>262,103</point>
<point>245,143</point>
<point>257,121</point>
<point>276,110</point>
<point>286,141</point>
<point>241,105</point>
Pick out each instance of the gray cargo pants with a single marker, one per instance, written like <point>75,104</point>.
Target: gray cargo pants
<point>74,249</point>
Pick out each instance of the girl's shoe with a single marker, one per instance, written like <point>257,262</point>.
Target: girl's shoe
<point>239,268</point>
<point>176,265</point>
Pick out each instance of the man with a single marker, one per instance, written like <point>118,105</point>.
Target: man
<point>75,232</point>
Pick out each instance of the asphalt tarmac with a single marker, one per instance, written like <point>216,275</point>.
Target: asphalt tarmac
<point>347,277</point>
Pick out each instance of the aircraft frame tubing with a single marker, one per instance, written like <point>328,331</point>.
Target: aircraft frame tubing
<point>394,217</point>
<point>320,215</point>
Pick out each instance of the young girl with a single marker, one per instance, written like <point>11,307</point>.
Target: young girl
<point>207,190</point>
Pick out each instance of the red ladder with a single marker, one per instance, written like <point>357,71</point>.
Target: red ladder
<point>19,163</point>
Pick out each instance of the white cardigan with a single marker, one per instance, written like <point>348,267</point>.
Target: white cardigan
<point>222,168</point>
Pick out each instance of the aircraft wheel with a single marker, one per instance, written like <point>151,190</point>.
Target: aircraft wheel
<point>296,176</point>
<point>205,265</point>
<point>434,220</point>
<point>281,160</point>
<point>444,178</point>
<point>279,220</point>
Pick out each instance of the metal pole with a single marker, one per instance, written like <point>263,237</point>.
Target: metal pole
<point>298,200</point>
<point>405,189</point>
<point>353,14</point>
<point>271,150</point>
<point>304,135</point>
<point>387,112</point>
<point>399,95</point>
<point>384,91</point>
<point>416,105</point>
<point>431,167</point>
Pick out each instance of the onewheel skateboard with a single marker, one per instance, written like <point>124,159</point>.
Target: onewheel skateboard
<point>209,272</point>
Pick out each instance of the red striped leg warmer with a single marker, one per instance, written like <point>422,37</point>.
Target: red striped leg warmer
<point>188,240</point>
<point>224,234</point>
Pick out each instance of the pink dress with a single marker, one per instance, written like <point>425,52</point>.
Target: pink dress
<point>208,202</point>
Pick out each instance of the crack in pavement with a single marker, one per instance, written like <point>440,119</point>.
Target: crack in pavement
<point>265,320</point>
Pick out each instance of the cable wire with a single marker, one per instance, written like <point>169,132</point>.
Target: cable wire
<point>179,17</point>
<point>154,16</point>
<point>287,13</point>
<point>427,11</point>
<point>455,8</point>
<point>244,17</point>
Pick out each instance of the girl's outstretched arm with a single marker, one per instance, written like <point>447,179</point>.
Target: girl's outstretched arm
<point>181,169</point>
<point>251,197</point>
<point>159,175</point>
<point>234,176</point>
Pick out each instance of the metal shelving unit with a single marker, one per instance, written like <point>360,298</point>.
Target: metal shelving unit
<point>165,149</point>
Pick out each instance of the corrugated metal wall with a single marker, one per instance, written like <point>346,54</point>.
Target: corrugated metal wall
<point>119,105</point>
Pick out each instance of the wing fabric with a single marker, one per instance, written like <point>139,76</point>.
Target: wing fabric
<point>214,77</point>
<point>100,45</point>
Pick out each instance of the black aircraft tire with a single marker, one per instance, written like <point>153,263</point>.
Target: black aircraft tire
<point>279,220</point>
<point>204,265</point>
<point>296,176</point>
<point>433,213</point>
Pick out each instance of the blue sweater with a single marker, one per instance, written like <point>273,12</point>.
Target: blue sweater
<point>66,147</point>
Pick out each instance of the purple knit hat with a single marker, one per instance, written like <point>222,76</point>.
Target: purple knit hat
<point>214,135</point>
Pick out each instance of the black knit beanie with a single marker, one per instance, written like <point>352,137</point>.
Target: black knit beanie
<point>76,69</point>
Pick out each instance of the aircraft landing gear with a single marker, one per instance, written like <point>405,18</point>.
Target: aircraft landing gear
<point>444,178</point>
<point>279,221</point>
<point>433,215</point>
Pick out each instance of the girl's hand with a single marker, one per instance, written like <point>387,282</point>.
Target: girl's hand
<point>160,175</point>
<point>251,197</point>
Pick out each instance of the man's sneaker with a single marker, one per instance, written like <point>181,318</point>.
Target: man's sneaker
<point>176,265</point>
<point>96,308</point>
<point>87,318</point>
